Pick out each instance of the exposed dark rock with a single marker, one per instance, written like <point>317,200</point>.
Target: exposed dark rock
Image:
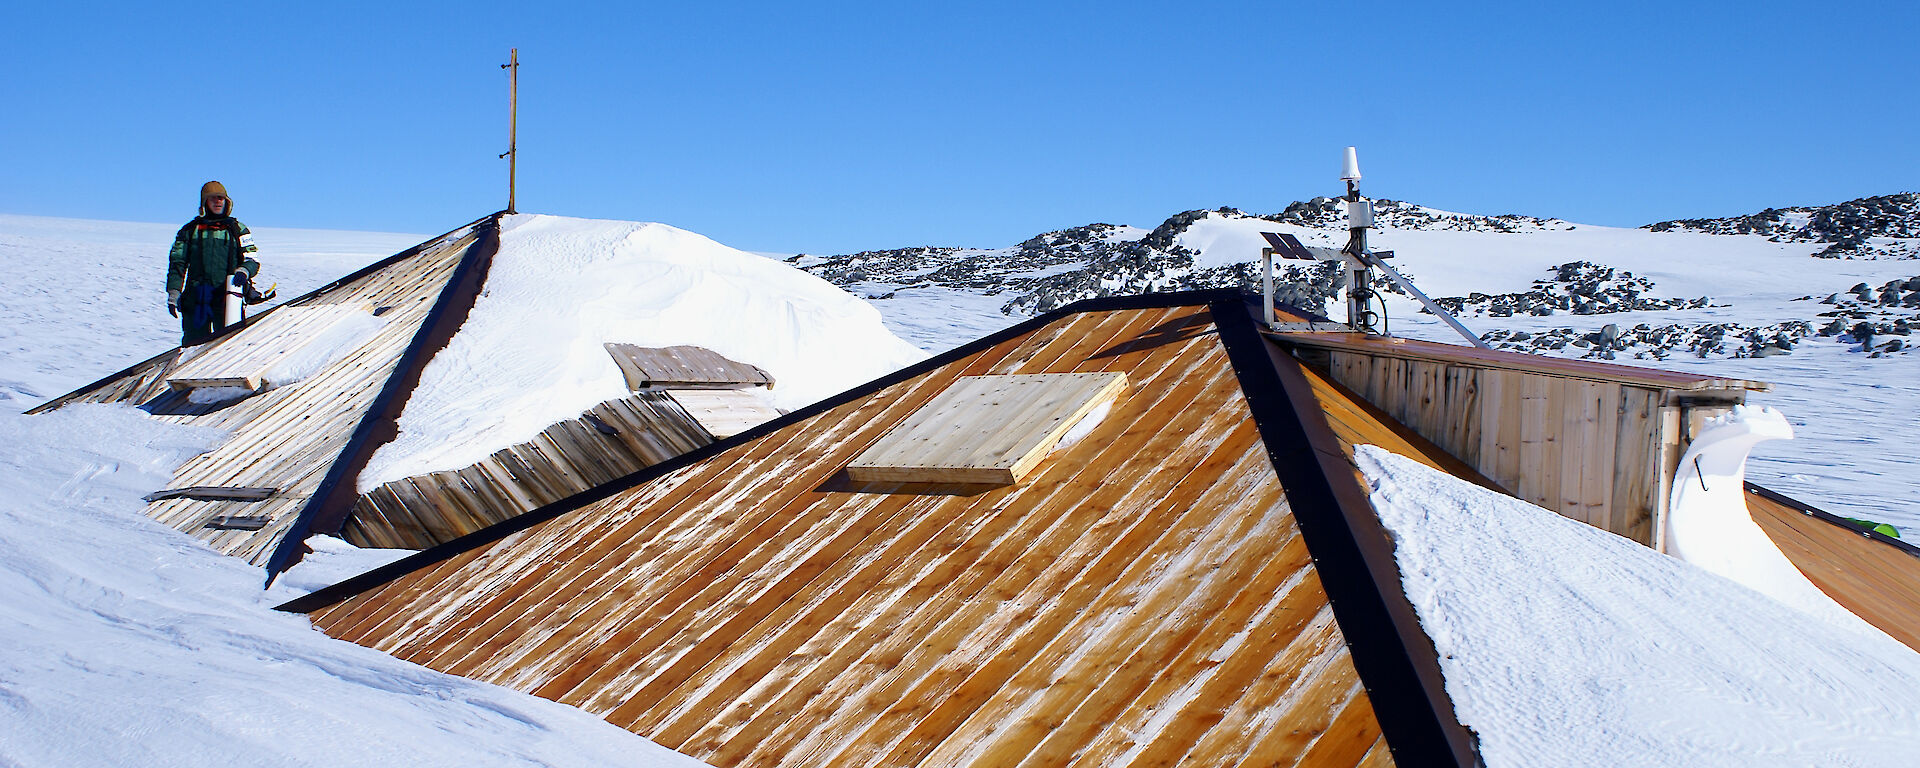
<point>1580,287</point>
<point>1850,228</point>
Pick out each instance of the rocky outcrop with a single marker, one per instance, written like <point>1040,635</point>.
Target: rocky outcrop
<point>1579,287</point>
<point>1887,226</point>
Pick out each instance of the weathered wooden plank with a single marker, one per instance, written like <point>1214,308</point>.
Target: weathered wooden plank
<point>683,367</point>
<point>1878,582</point>
<point>214,493</point>
<point>1596,481</point>
<point>1575,403</point>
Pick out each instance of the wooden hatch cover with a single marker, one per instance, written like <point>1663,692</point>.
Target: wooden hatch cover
<point>986,429</point>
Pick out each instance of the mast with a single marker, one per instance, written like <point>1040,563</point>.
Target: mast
<point>513,123</point>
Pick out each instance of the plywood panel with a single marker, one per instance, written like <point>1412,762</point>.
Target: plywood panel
<point>986,429</point>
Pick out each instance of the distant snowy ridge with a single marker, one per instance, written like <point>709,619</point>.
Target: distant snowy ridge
<point>1056,268</point>
<point>1887,226</point>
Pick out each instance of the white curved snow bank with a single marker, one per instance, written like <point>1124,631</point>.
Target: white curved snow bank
<point>1565,645</point>
<point>123,642</point>
<point>531,354</point>
<point>1708,523</point>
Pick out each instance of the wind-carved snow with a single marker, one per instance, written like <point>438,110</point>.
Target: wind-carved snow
<point>531,352</point>
<point>1564,645</point>
<point>1708,523</point>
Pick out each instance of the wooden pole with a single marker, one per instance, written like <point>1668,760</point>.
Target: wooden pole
<point>513,123</point>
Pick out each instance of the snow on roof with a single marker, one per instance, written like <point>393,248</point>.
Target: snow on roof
<point>1565,645</point>
<point>127,643</point>
<point>531,352</point>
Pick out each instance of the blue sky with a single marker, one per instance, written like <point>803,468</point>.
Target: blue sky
<point>836,127</point>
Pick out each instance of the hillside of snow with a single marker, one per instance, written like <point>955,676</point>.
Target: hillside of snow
<point>1834,335</point>
<point>532,353</point>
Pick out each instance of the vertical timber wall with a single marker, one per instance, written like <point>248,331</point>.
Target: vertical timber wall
<point>1594,442</point>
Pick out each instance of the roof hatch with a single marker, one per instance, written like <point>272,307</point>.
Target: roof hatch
<point>986,429</point>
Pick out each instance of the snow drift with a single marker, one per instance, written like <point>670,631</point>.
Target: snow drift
<point>123,642</point>
<point>1562,644</point>
<point>531,352</point>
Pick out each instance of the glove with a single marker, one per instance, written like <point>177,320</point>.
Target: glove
<point>173,303</point>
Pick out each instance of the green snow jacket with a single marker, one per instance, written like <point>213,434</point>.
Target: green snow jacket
<point>207,250</point>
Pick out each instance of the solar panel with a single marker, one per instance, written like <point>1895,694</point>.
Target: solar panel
<point>1287,246</point>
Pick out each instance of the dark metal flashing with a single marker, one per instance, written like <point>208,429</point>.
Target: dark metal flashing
<point>1352,553</point>
<point>1831,518</point>
<point>332,501</point>
<point>363,272</point>
<point>370,580</point>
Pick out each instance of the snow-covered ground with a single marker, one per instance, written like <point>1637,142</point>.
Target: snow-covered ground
<point>83,299</point>
<point>1563,645</point>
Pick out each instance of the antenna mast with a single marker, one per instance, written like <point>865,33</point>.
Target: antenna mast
<point>513,122</point>
<point>1359,273</point>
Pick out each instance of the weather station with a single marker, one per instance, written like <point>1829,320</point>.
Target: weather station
<point>1357,263</point>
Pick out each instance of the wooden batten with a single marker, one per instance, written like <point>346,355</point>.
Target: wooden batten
<point>990,430</point>
<point>1595,442</point>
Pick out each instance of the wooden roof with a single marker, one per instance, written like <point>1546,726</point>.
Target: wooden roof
<point>1875,577</point>
<point>1592,370</point>
<point>292,439</point>
<point>1149,594</point>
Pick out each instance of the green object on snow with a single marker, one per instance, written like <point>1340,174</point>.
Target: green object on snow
<point>1870,525</point>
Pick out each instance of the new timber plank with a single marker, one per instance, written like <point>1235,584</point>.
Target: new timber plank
<point>986,429</point>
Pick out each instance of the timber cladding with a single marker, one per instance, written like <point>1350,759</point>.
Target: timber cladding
<point>1595,443</point>
<point>611,440</point>
<point>1144,596</point>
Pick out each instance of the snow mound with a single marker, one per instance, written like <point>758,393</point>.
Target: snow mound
<point>127,643</point>
<point>531,352</point>
<point>1565,645</point>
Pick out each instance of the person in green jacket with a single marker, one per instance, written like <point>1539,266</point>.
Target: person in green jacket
<point>206,251</point>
